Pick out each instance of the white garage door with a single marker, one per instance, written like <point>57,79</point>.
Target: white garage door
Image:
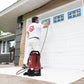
<point>64,46</point>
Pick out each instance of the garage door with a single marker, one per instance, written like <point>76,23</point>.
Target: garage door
<point>64,45</point>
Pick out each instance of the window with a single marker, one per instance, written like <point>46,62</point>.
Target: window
<point>10,45</point>
<point>58,18</point>
<point>4,47</point>
<point>75,13</point>
<point>44,21</point>
<point>7,46</point>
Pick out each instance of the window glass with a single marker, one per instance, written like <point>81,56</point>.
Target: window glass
<point>45,21</point>
<point>10,45</point>
<point>4,47</point>
<point>58,18</point>
<point>73,14</point>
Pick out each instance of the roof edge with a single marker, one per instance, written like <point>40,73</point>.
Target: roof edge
<point>13,6</point>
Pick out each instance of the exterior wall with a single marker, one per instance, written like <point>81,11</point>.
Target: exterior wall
<point>18,40</point>
<point>64,46</point>
<point>22,44</point>
<point>53,4</point>
<point>4,57</point>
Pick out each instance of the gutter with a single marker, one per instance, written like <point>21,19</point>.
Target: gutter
<point>7,36</point>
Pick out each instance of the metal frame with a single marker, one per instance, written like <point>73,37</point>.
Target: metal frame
<point>74,11</point>
<point>45,20</point>
<point>58,16</point>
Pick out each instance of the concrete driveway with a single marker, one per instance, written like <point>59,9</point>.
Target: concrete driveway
<point>10,79</point>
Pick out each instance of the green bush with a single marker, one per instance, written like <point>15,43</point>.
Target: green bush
<point>1,35</point>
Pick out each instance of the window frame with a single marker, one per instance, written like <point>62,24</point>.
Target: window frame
<point>58,16</point>
<point>6,52</point>
<point>46,20</point>
<point>74,11</point>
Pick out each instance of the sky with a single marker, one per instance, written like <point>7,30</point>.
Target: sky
<point>6,3</point>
